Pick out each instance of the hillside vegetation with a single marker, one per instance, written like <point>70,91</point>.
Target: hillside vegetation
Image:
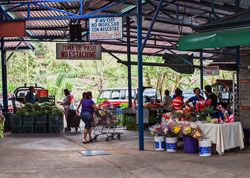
<point>43,68</point>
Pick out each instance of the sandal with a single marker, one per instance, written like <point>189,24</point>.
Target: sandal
<point>91,140</point>
<point>85,142</point>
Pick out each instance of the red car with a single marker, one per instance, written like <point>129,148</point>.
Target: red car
<point>116,96</point>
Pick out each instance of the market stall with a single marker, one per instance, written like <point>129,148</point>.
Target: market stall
<point>196,127</point>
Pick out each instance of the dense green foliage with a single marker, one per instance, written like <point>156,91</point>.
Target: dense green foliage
<point>41,67</point>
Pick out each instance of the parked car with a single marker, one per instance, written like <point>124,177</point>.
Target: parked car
<point>10,106</point>
<point>116,96</point>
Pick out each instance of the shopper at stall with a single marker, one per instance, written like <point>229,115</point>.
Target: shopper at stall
<point>80,104</point>
<point>167,101</point>
<point>174,95</point>
<point>66,105</point>
<point>30,97</point>
<point>72,100</point>
<point>211,97</point>
<point>195,98</point>
<point>88,107</point>
<point>177,103</point>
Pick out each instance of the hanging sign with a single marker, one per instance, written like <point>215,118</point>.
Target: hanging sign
<point>211,70</point>
<point>83,51</point>
<point>107,28</point>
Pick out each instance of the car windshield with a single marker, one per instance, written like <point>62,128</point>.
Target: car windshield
<point>9,102</point>
<point>150,92</point>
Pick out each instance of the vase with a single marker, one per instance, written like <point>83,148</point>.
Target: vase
<point>190,145</point>
<point>159,143</point>
<point>171,144</point>
<point>208,118</point>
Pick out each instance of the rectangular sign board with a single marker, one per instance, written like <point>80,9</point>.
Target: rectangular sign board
<point>211,70</point>
<point>12,29</point>
<point>83,51</point>
<point>107,28</point>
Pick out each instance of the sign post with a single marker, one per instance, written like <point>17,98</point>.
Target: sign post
<point>107,28</point>
<point>83,51</point>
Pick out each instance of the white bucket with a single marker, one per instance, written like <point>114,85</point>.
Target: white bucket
<point>171,144</point>
<point>159,142</point>
<point>205,147</point>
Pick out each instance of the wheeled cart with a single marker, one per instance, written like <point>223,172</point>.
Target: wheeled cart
<point>106,123</point>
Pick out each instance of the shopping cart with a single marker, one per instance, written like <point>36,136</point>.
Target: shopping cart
<point>105,122</point>
<point>73,121</point>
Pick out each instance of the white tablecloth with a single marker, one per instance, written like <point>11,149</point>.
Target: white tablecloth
<point>225,136</point>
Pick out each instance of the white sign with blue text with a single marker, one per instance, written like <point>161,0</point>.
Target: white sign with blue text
<point>106,28</point>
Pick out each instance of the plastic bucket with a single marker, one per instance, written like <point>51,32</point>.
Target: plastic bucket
<point>205,147</point>
<point>171,144</point>
<point>159,142</point>
<point>190,145</point>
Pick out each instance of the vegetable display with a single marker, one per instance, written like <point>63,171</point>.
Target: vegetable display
<point>39,109</point>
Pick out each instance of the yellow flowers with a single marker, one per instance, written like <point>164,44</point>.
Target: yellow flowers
<point>189,130</point>
<point>177,129</point>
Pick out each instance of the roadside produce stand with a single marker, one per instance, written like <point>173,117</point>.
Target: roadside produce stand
<point>37,118</point>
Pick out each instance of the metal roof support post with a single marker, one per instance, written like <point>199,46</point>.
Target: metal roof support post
<point>4,77</point>
<point>201,69</point>
<point>140,74</point>
<point>129,64</point>
<point>238,66</point>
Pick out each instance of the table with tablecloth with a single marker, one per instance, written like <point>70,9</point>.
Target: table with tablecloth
<point>225,136</point>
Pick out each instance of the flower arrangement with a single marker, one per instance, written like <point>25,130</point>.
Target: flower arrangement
<point>172,130</point>
<point>191,130</point>
<point>225,115</point>
<point>158,130</point>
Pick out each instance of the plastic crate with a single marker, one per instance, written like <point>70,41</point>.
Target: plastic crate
<point>17,129</point>
<point>54,119</point>
<point>16,120</point>
<point>28,119</point>
<point>41,128</point>
<point>120,117</point>
<point>119,111</point>
<point>124,105</point>
<point>41,118</point>
<point>54,129</point>
<point>28,128</point>
<point>43,99</point>
<point>7,125</point>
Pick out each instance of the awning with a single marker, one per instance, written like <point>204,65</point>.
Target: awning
<point>223,38</point>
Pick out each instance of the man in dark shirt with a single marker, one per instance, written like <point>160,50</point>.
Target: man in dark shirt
<point>30,98</point>
<point>211,97</point>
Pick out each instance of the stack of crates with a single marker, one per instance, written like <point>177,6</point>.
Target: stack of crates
<point>55,122</point>
<point>131,121</point>
<point>17,124</point>
<point>28,124</point>
<point>41,124</point>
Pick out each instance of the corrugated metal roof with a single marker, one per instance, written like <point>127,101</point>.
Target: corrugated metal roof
<point>166,30</point>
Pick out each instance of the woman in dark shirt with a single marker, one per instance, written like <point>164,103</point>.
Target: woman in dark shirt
<point>211,97</point>
<point>87,111</point>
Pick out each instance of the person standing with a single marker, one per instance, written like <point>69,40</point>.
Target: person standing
<point>167,101</point>
<point>66,105</point>
<point>30,97</point>
<point>195,98</point>
<point>177,103</point>
<point>72,100</point>
<point>80,104</point>
<point>87,111</point>
<point>211,97</point>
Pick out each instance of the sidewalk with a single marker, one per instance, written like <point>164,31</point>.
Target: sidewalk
<point>58,156</point>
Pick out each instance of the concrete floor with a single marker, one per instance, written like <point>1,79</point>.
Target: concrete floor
<point>58,155</point>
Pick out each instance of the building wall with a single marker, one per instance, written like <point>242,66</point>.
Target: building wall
<point>244,97</point>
